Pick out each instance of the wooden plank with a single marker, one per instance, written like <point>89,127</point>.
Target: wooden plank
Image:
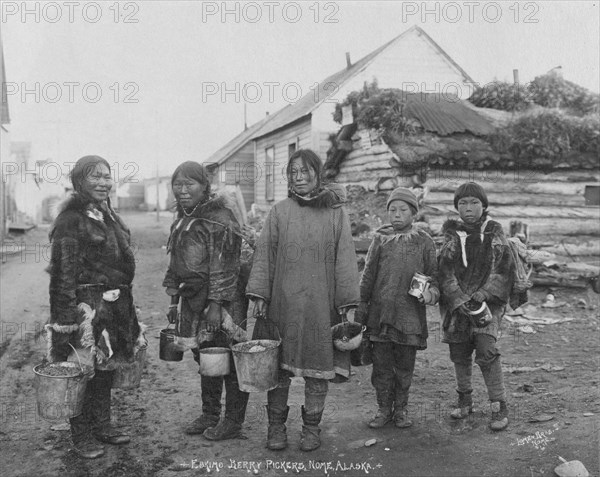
<point>375,165</point>
<point>526,211</point>
<point>448,180</point>
<point>516,199</point>
<point>539,229</point>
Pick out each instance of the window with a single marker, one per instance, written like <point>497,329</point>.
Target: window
<point>270,173</point>
<point>291,149</point>
<point>592,195</point>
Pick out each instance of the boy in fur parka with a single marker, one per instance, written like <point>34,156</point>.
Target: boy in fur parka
<point>396,321</point>
<point>475,267</point>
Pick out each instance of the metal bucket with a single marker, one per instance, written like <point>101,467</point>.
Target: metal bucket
<point>129,375</point>
<point>257,371</point>
<point>60,397</point>
<point>168,349</point>
<point>214,361</point>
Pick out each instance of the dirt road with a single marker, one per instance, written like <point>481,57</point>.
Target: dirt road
<point>550,374</point>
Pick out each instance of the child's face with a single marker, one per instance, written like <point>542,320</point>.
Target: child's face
<point>400,215</point>
<point>470,209</point>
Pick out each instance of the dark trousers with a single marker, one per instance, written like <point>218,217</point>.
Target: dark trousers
<point>236,401</point>
<point>393,368</point>
<point>487,357</point>
<point>96,405</point>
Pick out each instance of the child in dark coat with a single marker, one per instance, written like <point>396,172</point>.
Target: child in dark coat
<point>475,268</point>
<point>396,321</point>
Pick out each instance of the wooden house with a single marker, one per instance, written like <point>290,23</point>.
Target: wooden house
<point>233,164</point>
<point>412,61</point>
<point>558,201</point>
<point>4,149</point>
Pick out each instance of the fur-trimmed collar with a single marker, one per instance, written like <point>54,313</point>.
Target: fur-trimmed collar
<point>216,208</point>
<point>330,196</point>
<point>455,225</point>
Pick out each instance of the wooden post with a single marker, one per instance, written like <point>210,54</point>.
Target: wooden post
<point>157,194</point>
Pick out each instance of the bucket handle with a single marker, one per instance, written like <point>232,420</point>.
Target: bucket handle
<point>264,318</point>
<point>78,359</point>
<point>345,320</point>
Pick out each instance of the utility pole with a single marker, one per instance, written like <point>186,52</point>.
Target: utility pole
<point>157,192</point>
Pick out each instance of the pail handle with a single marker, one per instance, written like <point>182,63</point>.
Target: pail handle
<point>78,359</point>
<point>270,321</point>
<point>345,320</point>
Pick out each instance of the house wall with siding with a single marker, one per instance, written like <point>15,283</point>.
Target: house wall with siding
<point>299,133</point>
<point>238,169</point>
<point>412,64</point>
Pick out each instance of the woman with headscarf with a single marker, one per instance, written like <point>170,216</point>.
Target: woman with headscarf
<point>303,277</point>
<point>91,306</point>
<point>201,280</point>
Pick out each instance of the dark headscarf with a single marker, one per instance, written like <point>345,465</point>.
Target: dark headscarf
<point>310,160</point>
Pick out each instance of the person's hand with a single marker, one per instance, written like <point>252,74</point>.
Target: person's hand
<point>172,314</point>
<point>188,290</point>
<point>213,317</point>
<point>360,315</point>
<point>259,308</point>
<point>249,234</point>
<point>427,298</point>
<point>464,309</point>
<point>478,296</point>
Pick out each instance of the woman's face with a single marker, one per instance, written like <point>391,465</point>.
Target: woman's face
<point>188,192</point>
<point>304,178</point>
<point>97,182</point>
<point>470,209</point>
<point>400,215</point>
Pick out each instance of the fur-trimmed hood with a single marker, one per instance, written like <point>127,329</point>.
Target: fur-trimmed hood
<point>331,195</point>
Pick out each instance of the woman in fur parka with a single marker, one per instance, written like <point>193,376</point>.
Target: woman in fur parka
<point>202,281</point>
<point>475,267</point>
<point>91,306</point>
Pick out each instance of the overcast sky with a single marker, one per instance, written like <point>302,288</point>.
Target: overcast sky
<point>147,88</point>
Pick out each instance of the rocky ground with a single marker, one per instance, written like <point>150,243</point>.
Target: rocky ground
<point>550,358</point>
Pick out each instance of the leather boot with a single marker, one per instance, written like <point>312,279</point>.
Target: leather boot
<point>99,388</point>
<point>384,412</point>
<point>212,388</point>
<point>277,412</point>
<point>236,401</point>
<point>84,443</point>
<point>464,406</point>
<point>309,438</point>
<point>499,420</point>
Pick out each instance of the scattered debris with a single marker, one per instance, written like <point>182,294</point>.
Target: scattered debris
<point>527,369</point>
<point>529,320</point>
<point>540,418</point>
<point>526,388</point>
<point>588,414</point>
<point>63,426</point>
<point>526,329</point>
<point>550,368</point>
<point>581,303</point>
<point>572,468</point>
<point>370,442</point>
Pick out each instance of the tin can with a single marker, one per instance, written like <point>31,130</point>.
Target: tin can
<point>419,284</point>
